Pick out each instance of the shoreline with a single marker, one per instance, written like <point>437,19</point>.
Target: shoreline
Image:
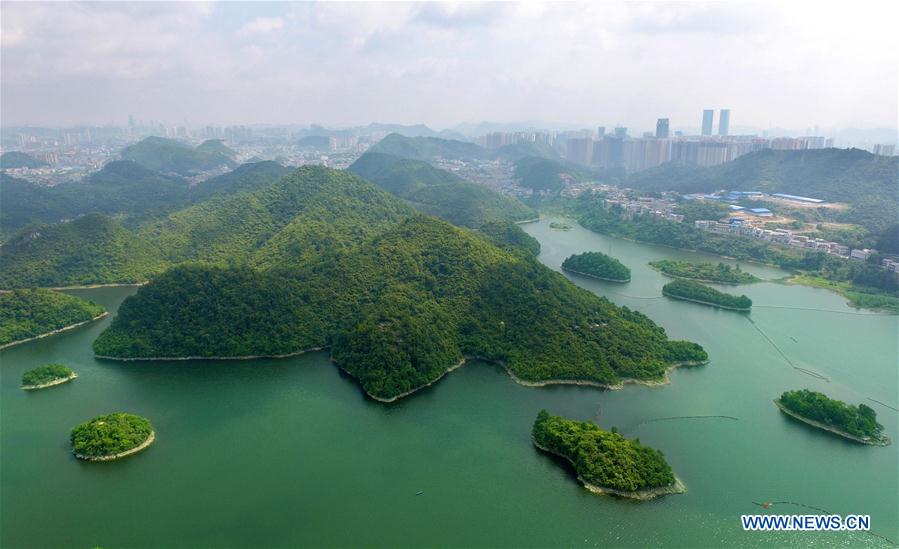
<point>54,332</point>
<point>644,494</point>
<point>176,358</point>
<point>407,393</point>
<point>92,286</point>
<point>525,221</point>
<point>664,380</point>
<point>709,303</point>
<point>883,441</point>
<point>142,446</point>
<point>58,381</point>
<point>597,277</point>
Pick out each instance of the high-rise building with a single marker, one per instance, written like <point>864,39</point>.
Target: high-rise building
<point>723,122</point>
<point>580,150</point>
<point>620,132</point>
<point>662,128</point>
<point>708,120</point>
<point>601,132</point>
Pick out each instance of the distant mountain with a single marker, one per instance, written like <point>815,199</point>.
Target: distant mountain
<point>514,153</point>
<point>15,159</point>
<point>318,142</point>
<point>416,130</point>
<point>215,146</point>
<point>170,156</point>
<point>438,192</point>
<point>428,148</point>
<point>869,183</point>
<point>23,203</point>
<point>245,178</point>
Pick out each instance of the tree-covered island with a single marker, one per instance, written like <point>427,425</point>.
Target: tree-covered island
<point>47,376</point>
<point>722,273</point>
<point>560,226</point>
<point>597,265</point>
<point>606,462</point>
<point>30,314</point>
<point>690,290</point>
<point>858,423</point>
<point>112,436</point>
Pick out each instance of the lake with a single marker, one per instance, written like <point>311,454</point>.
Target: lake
<point>274,453</point>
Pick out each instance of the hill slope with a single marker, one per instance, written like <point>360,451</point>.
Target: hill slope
<point>438,192</point>
<point>29,313</point>
<point>428,148</point>
<point>167,155</point>
<point>15,159</point>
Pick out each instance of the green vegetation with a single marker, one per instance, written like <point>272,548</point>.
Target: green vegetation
<point>597,265</point>
<point>721,273</point>
<point>510,236</point>
<point>868,183</point>
<point>515,152</point>
<point>170,156</point>
<point>694,211</point>
<point>691,290</point>
<point>863,283</point>
<point>546,174</point>
<point>15,159</point>
<point>860,421</point>
<point>46,374</point>
<point>397,310</point>
<point>106,436</point>
<point>437,192</point>
<point>29,313</point>
<point>601,458</point>
<point>560,226</point>
<point>428,148</point>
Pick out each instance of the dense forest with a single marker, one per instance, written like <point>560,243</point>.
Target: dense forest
<point>397,310</point>
<point>428,148</point>
<point>29,313</point>
<point>109,435</point>
<point>721,273</point>
<point>440,193</point>
<point>546,174</point>
<point>170,156</point>
<point>597,265</point>
<point>860,420</point>
<point>601,458</point>
<point>510,236</point>
<point>864,283</point>
<point>695,291</point>
<point>46,374</point>
<point>868,183</point>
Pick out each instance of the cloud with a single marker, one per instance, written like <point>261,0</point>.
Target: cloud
<point>261,25</point>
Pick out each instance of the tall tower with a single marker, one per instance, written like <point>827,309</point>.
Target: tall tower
<point>708,120</point>
<point>662,128</point>
<point>724,122</point>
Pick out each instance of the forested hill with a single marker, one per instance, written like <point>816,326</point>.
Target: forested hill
<point>398,310</point>
<point>15,159</point>
<point>170,156</point>
<point>438,192</point>
<point>428,148</point>
<point>310,212</point>
<point>121,187</point>
<point>869,183</point>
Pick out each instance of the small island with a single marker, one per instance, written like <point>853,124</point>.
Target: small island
<point>690,290</point>
<point>597,265</point>
<point>112,436</point>
<point>722,273</point>
<point>858,423</point>
<point>26,315</point>
<point>47,376</point>
<point>560,226</point>
<point>606,462</point>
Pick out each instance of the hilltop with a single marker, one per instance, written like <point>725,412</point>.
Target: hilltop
<point>29,314</point>
<point>428,148</point>
<point>15,159</point>
<point>170,156</point>
<point>438,192</point>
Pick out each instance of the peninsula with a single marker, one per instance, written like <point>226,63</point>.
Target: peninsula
<point>690,290</point>
<point>112,436</point>
<point>606,462</point>
<point>597,265</point>
<point>47,376</point>
<point>31,314</point>
<point>722,273</point>
<point>857,423</point>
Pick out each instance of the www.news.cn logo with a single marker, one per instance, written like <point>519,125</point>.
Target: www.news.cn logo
<point>805,522</point>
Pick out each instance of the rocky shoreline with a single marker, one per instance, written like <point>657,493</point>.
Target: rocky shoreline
<point>645,494</point>
<point>54,332</point>
<point>144,445</point>
<point>58,381</point>
<point>882,441</point>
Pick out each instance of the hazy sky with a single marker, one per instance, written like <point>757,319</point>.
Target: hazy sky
<point>795,65</point>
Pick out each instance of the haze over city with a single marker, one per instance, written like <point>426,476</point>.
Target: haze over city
<point>562,65</point>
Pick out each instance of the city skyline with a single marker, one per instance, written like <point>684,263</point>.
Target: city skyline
<point>444,65</point>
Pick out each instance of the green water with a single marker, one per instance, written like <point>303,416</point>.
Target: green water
<point>289,452</point>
